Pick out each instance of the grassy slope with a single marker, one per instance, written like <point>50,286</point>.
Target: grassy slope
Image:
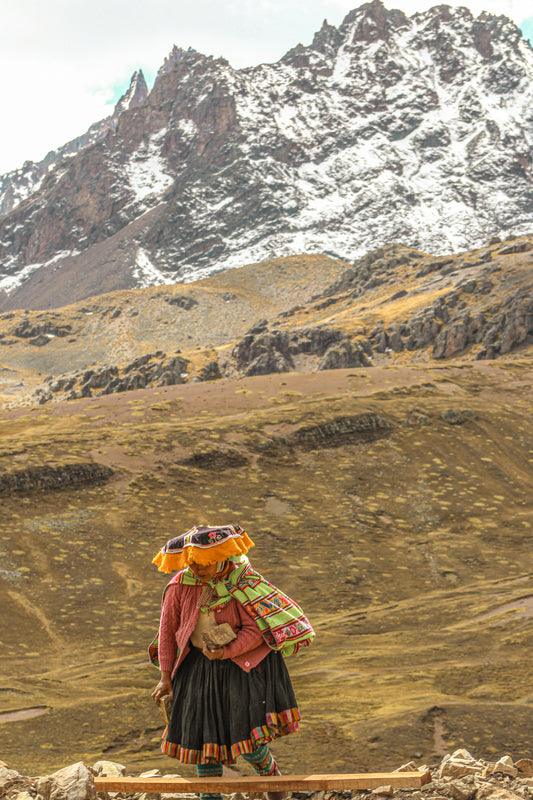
<point>411,555</point>
<point>115,328</point>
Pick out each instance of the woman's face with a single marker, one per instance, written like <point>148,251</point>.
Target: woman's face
<point>203,571</point>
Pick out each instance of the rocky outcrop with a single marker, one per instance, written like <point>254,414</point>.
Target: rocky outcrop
<point>217,458</point>
<point>455,417</point>
<point>262,352</point>
<point>487,313</point>
<point>186,302</point>
<point>449,330</point>
<point>25,330</point>
<point>150,369</point>
<point>473,314</point>
<point>38,332</point>
<point>377,267</point>
<point>338,431</point>
<point>510,328</point>
<point>209,372</point>
<point>47,477</point>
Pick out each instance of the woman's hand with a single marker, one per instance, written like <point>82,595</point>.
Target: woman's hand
<point>213,655</point>
<point>163,687</point>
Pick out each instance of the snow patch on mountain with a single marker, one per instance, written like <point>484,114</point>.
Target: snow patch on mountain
<point>146,274</point>
<point>146,170</point>
<point>188,128</point>
<point>9,283</point>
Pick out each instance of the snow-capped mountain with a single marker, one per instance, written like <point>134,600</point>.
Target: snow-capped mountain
<point>417,130</point>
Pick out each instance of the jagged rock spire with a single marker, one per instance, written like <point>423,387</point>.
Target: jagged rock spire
<point>135,96</point>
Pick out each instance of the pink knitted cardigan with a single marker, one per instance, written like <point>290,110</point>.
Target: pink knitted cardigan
<point>179,614</point>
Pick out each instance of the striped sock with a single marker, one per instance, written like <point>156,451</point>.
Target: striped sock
<point>210,770</point>
<point>261,760</point>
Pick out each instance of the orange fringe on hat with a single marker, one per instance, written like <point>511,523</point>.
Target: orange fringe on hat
<point>177,554</point>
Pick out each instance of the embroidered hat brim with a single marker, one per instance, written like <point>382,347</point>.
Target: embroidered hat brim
<point>203,545</point>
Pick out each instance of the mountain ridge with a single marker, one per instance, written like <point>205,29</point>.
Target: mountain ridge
<point>394,306</point>
<point>389,128</point>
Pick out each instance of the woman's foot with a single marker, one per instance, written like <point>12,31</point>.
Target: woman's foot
<point>276,795</point>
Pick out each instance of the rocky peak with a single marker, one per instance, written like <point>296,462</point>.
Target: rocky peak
<point>327,38</point>
<point>502,28</point>
<point>135,95</point>
<point>176,55</point>
<point>185,77</point>
<point>372,21</point>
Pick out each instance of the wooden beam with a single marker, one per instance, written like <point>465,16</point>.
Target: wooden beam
<point>278,783</point>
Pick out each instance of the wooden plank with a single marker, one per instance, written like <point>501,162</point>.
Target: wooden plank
<point>278,783</point>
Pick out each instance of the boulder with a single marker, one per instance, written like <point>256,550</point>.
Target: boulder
<point>505,766</point>
<point>135,381</point>
<point>259,327</point>
<point>185,302</point>
<point>22,796</point>
<point>459,764</point>
<point>416,418</point>
<point>410,766</point>
<point>75,782</point>
<point>109,769</point>
<point>39,341</point>
<point>138,362</point>
<point>44,397</point>
<point>525,767</point>
<point>453,338</point>
<point>454,788</point>
<point>269,363</point>
<point>453,417</point>
<point>7,778</point>
<point>463,789</point>
<point>344,355</point>
<point>210,372</point>
<point>491,791</point>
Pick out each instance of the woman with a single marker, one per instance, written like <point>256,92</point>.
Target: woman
<point>232,699</point>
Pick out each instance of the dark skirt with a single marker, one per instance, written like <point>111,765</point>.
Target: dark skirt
<point>220,711</point>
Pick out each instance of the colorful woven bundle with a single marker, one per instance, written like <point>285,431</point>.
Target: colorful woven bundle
<point>279,618</point>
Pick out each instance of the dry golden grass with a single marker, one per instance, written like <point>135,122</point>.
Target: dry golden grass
<point>411,555</point>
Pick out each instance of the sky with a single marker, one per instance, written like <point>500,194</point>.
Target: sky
<point>64,64</point>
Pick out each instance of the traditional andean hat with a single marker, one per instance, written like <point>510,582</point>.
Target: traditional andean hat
<point>203,545</point>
